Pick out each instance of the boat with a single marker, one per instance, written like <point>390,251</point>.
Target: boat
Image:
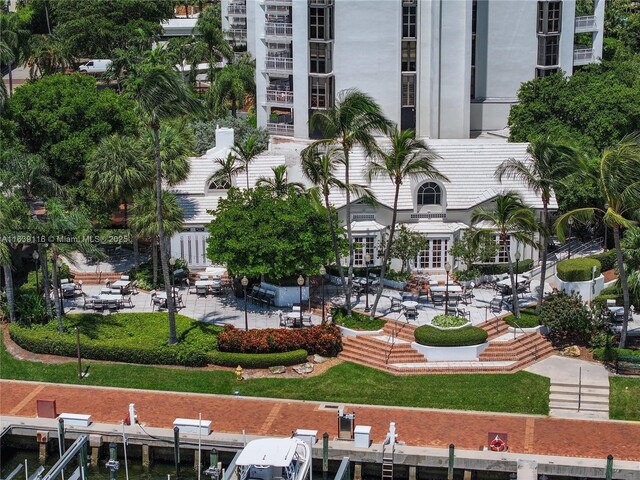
<point>274,459</point>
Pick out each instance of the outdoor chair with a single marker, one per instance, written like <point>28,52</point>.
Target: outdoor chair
<point>201,291</point>
<point>437,299</point>
<point>306,320</point>
<point>98,304</point>
<point>411,313</point>
<point>216,289</point>
<point>78,286</point>
<point>134,287</point>
<point>153,294</point>
<point>496,305</point>
<point>178,301</point>
<point>127,300</point>
<point>86,302</point>
<point>190,288</point>
<point>158,302</point>
<point>112,305</point>
<point>68,293</point>
<point>396,304</point>
<point>462,313</point>
<point>105,290</point>
<point>452,302</point>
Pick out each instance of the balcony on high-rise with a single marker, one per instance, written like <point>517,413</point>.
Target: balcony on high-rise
<point>278,30</point>
<point>586,23</point>
<point>237,9</point>
<point>582,55</point>
<point>278,64</point>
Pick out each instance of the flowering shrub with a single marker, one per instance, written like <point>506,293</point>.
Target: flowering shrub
<point>322,339</point>
<point>568,319</point>
<point>448,321</point>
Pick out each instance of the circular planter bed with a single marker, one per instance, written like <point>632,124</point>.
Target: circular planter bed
<point>357,324</point>
<point>450,344</point>
<point>449,322</point>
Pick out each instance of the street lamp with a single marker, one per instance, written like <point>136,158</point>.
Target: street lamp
<point>300,284</point>
<point>517,263</point>
<point>570,222</point>
<point>172,262</point>
<point>447,268</point>
<point>35,257</point>
<point>367,260</point>
<point>245,282</point>
<point>323,272</point>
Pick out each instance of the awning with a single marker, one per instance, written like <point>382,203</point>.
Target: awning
<point>436,227</point>
<point>368,226</point>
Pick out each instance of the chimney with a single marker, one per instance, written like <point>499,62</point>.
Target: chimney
<point>224,137</point>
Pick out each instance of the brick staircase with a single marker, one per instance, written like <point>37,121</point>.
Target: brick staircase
<point>391,351</point>
<point>94,278</point>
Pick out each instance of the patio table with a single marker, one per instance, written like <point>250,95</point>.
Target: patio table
<point>443,289</point>
<point>410,304</point>
<point>120,284</point>
<point>163,294</point>
<point>68,286</point>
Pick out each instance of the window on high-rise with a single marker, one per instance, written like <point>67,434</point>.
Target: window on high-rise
<point>320,92</point>
<point>474,28</point>
<point>319,57</point>
<point>408,90</point>
<point>320,23</point>
<point>409,19</point>
<point>408,56</point>
<point>549,17</point>
<point>548,50</point>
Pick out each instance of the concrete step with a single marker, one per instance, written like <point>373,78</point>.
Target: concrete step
<point>573,399</point>
<point>575,389</point>
<point>593,386</point>
<point>583,407</point>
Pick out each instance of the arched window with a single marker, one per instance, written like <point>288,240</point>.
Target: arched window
<point>429,194</point>
<point>220,184</point>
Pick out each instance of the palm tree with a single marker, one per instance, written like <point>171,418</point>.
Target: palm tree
<point>352,122</point>
<point>631,249</point>
<point>6,57</point>
<point>48,54</point>
<point>230,87</point>
<point>547,165</point>
<point>176,146</point>
<point>510,218</point>
<point>160,94</point>
<point>247,151</point>
<point>145,220</point>
<point>319,167</point>
<point>7,266</point>
<point>16,40</point>
<point>619,181</point>
<point>230,167</point>
<point>407,158</point>
<point>213,47</point>
<point>279,186</point>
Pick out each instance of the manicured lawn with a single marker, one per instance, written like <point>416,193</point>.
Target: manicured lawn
<point>624,398</point>
<point>518,393</point>
<point>357,321</point>
<point>528,319</point>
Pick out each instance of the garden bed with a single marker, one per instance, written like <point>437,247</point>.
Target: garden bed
<point>357,321</point>
<point>528,319</point>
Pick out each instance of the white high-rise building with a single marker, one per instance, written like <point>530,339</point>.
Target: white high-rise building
<point>446,68</point>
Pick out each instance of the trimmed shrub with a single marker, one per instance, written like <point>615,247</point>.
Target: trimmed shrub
<point>600,302</point>
<point>607,259</point>
<point>467,275</point>
<point>357,321</point>
<point>608,354</point>
<point>324,340</point>
<point>568,319</point>
<point>448,321</point>
<point>434,337</point>
<point>528,319</point>
<point>577,269</point>
<point>258,360</point>
<point>500,268</point>
<point>122,337</point>
<point>612,290</point>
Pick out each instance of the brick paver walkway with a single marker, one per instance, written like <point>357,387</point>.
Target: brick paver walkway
<point>417,427</point>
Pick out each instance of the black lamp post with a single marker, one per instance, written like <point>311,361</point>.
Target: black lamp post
<point>35,257</point>
<point>245,282</point>
<point>447,268</point>
<point>517,263</point>
<point>323,272</point>
<point>570,222</point>
<point>300,282</point>
<point>367,260</point>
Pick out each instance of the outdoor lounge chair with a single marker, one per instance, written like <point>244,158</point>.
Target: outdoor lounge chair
<point>201,290</point>
<point>158,302</point>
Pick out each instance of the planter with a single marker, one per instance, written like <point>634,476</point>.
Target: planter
<point>468,324</point>
<point>587,290</point>
<point>349,332</point>
<point>286,296</point>
<point>393,284</point>
<point>444,354</point>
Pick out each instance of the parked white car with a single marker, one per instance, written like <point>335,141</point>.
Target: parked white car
<point>95,66</point>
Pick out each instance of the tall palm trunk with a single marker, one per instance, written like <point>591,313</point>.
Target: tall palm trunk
<point>234,109</point>
<point>514,291</point>
<point>246,171</point>
<point>545,253</point>
<point>334,240</point>
<point>8,281</point>
<point>161,239</point>
<point>387,250</point>
<point>44,267</point>
<point>154,260</point>
<point>56,292</point>
<point>136,250</point>
<point>11,80</point>
<point>349,284</point>
<point>625,285</point>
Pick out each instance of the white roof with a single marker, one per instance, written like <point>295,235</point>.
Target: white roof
<point>469,165</point>
<point>434,227</point>
<point>195,207</point>
<point>276,452</point>
<point>367,226</point>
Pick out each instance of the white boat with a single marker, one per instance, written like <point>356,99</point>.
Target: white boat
<point>274,459</point>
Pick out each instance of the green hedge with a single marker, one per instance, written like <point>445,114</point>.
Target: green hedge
<point>528,319</point>
<point>258,360</point>
<point>357,321</point>
<point>607,259</point>
<point>433,337</point>
<point>123,337</point>
<point>604,354</point>
<point>600,301</point>
<point>500,268</point>
<point>577,269</point>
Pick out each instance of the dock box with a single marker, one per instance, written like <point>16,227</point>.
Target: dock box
<point>190,425</point>
<point>75,419</point>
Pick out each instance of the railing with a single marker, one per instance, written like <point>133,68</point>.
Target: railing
<point>237,9</point>
<point>280,96</point>
<point>278,9</point>
<point>237,33</point>
<point>280,128</point>
<point>428,215</point>
<point>344,472</point>
<point>582,55</point>
<point>275,63</point>
<point>278,29</point>
<point>586,23</point>
<point>278,2</point>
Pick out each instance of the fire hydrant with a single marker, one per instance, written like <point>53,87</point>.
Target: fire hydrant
<point>239,372</point>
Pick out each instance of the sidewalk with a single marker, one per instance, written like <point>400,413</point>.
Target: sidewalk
<point>416,427</point>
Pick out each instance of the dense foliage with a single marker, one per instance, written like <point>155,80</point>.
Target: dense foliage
<point>255,234</point>
<point>123,337</point>
<point>321,339</point>
<point>568,319</point>
<point>434,337</point>
<point>357,320</point>
<point>528,319</point>
<point>448,321</point>
<point>63,117</point>
<point>502,268</point>
<point>406,246</point>
<point>258,360</point>
<point>474,250</point>
<point>205,132</point>
<point>578,269</point>
<point>607,259</point>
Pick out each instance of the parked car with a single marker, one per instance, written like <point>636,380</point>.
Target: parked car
<point>95,66</point>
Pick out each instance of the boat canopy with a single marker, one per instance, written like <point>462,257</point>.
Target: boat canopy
<point>276,452</point>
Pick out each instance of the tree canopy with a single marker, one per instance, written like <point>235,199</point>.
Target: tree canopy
<point>256,234</point>
<point>63,117</point>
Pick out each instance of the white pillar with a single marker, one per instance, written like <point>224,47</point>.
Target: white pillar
<point>527,470</point>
